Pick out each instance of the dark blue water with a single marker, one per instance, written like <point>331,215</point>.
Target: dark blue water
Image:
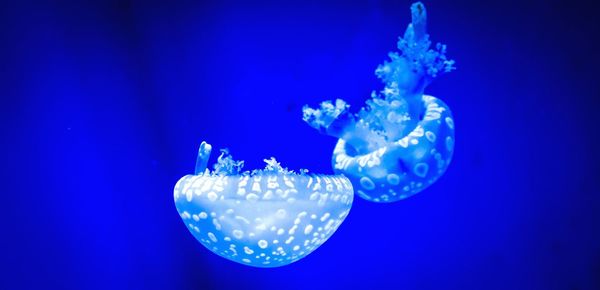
<point>104,105</point>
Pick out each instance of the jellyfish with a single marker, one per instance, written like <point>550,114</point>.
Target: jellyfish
<point>402,141</point>
<point>264,218</point>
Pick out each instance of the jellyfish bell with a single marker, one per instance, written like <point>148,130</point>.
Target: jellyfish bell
<point>402,141</point>
<point>264,218</point>
<point>405,167</point>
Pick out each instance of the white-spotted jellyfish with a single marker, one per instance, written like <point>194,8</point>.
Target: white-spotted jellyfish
<point>263,218</point>
<point>402,140</point>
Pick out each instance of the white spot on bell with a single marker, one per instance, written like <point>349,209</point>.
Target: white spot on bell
<point>212,237</point>
<point>263,244</point>
<point>393,179</point>
<point>308,229</point>
<point>238,234</point>
<point>367,183</point>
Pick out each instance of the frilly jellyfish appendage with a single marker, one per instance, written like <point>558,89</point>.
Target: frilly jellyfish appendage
<point>402,140</point>
<point>264,218</point>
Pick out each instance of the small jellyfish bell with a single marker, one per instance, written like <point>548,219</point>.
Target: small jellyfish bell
<point>403,140</point>
<point>264,218</point>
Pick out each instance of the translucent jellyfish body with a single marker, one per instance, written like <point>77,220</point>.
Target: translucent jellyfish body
<point>267,218</point>
<point>403,140</point>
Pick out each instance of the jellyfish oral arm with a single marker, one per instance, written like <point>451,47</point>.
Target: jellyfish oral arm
<point>203,156</point>
<point>419,21</point>
<point>335,119</point>
<point>392,113</point>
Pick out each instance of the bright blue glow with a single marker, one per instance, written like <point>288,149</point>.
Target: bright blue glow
<point>267,218</point>
<point>403,140</point>
<point>106,102</point>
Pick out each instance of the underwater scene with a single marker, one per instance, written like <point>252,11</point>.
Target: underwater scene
<point>300,145</point>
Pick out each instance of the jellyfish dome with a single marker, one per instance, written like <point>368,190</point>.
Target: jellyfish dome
<point>402,141</point>
<point>263,218</point>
